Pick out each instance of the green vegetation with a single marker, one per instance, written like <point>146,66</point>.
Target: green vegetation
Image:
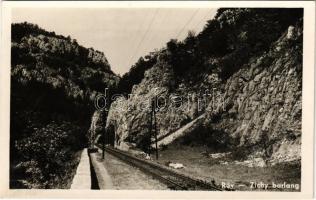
<point>226,43</point>
<point>136,73</point>
<point>54,81</point>
<point>202,166</point>
<point>53,84</point>
<point>46,138</point>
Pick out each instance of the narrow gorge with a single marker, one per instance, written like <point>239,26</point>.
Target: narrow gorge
<point>54,82</point>
<point>251,77</point>
<point>230,94</point>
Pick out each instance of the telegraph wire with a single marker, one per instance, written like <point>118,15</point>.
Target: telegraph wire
<point>208,14</point>
<point>144,36</point>
<point>161,24</point>
<point>192,16</point>
<point>138,30</point>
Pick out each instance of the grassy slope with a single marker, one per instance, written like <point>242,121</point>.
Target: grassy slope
<point>201,166</point>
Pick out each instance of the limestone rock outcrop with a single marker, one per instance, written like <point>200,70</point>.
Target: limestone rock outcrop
<point>259,106</point>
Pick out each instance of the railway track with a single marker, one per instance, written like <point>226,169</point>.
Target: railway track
<point>173,179</point>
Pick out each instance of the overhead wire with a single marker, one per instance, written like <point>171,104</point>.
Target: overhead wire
<point>188,22</point>
<point>162,22</point>
<point>179,33</point>
<point>144,36</point>
<point>202,20</point>
<point>138,30</point>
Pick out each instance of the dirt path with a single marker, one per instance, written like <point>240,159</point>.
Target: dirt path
<point>169,138</point>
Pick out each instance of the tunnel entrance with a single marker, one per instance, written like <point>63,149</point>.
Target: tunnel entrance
<point>110,140</point>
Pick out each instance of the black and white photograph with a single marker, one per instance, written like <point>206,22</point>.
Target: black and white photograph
<point>187,98</point>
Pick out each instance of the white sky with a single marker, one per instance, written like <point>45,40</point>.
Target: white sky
<point>122,34</point>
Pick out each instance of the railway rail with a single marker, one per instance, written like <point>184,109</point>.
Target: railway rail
<point>173,179</point>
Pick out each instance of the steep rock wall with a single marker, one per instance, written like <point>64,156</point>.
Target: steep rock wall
<point>259,106</point>
<point>263,100</point>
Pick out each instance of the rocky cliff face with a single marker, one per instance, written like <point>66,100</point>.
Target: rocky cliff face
<point>60,62</point>
<point>258,107</point>
<point>53,84</point>
<point>263,101</point>
<point>131,115</point>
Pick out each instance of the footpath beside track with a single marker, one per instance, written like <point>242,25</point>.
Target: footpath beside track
<point>82,178</point>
